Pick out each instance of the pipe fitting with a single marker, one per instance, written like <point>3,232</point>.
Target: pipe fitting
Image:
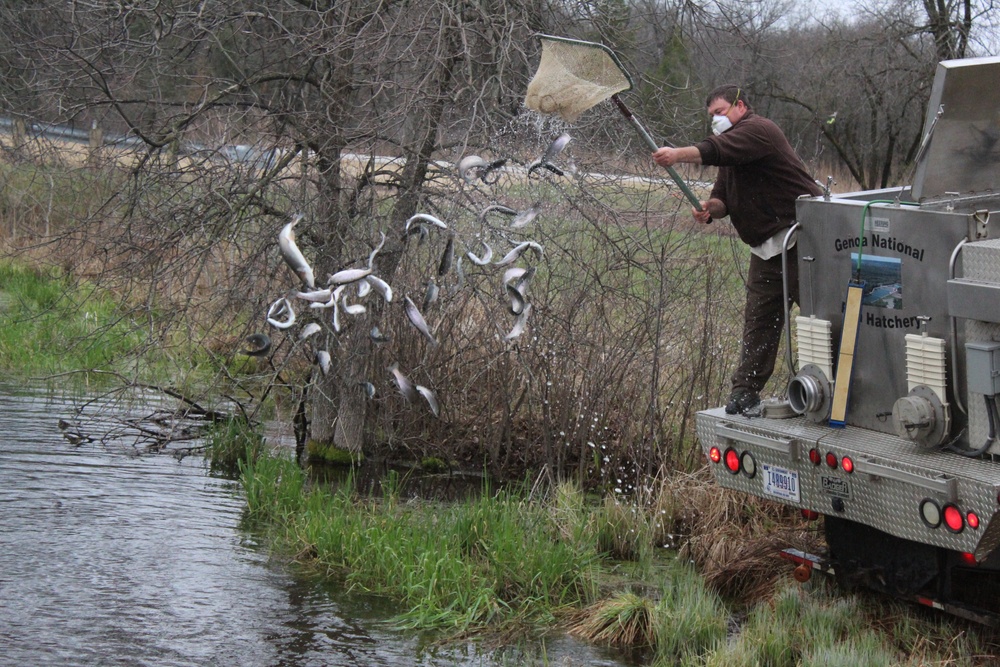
<point>811,394</point>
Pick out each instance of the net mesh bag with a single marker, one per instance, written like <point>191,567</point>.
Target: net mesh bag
<point>573,76</point>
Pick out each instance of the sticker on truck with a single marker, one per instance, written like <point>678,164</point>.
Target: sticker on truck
<point>781,483</point>
<point>836,487</point>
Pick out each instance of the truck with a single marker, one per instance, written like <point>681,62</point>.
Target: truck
<point>888,430</point>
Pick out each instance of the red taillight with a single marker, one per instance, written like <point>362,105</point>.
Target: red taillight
<point>810,515</point>
<point>831,459</point>
<point>847,464</point>
<point>967,559</point>
<point>972,519</point>
<point>953,519</point>
<point>732,461</point>
<point>715,454</point>
<point>815,457</point>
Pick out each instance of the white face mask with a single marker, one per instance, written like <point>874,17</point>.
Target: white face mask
<point>720,124</point>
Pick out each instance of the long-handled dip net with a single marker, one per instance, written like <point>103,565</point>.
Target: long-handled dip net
<point>574,75</point>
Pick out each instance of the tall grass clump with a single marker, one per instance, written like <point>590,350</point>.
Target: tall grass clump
<point>273,487</point>
<point>231,444</point>
<point>691,620</point>
<point>806,627</point>
<point>624,620</point>
<point>622,530</point>
<point>489,560</point>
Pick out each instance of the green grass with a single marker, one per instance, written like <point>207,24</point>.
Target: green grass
<point>233,444</point>
<point>493,560</point>
<point>500,562</point>
<point>50,325</point>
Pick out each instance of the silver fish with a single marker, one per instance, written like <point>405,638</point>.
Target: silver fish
<point>459,274</point>
<point>516,252</point>
<point>556,147</point>
<point>485,259</point>
<point>309,330</point>
<point>431,399</point>
<point>494,208</point>
<point>403,383</point>
<point>469,163</point>
<point>517,301</point>
<point>377,336</point>
<point>519,325</point>
<point>258,344</point>
<point>368,388</point>
<point>330,303</point>
<point>551,153</point>
<point>323,359</point>
<point>418,321</point>
<point>381,286</point>
<point>371,257</point>
<point>281,308</point>
<point>524,280</point>
<point>292,255</point>
<point>526,216</point>
<point>335,318</point>
<point>348,276</point>
<point>352,308</point>
<point>491,173</point>
<point>317,296</point>
<point>513,273</point>
<point>431,295</point>
<point>424,217</point>
<point>448,257</point>
<point>538,164</point>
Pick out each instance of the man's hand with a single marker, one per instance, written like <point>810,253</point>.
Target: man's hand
<point>713,209</point>
<point>704,216</point>
<point>666,156</point>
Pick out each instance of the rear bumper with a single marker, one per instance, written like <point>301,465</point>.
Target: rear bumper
<point>890,481</point>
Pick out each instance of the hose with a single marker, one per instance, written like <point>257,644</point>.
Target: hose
<point>993,417</point>
<point>786,295</point>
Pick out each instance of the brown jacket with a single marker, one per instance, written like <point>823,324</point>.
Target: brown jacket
<point>759,179</point>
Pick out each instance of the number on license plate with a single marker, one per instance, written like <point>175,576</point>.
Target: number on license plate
<point>781,483</point>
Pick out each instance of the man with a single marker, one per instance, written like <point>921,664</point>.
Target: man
<point>759,179</point>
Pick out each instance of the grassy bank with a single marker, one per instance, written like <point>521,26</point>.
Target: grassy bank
<point>50,324</point>
<point>506,562</point>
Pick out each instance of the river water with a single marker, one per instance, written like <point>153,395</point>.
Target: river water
<point>110,555</point>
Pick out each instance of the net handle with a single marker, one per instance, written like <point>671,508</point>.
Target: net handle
<point>653,146</point>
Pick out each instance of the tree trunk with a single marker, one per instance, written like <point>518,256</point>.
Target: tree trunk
<point>340,406</point>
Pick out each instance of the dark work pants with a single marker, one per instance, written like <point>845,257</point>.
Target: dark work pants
<point>763,318</point>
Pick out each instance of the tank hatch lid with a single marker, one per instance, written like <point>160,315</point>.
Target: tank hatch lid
<point>962,151</point>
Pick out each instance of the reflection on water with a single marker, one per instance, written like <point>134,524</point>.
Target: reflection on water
<point>111,558</point>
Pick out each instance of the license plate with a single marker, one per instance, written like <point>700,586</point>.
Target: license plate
<point>781,483</point>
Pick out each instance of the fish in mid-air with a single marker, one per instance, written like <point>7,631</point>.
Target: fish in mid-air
<point>519,325</point>
<point>292,255</point>
<point>258,344</point>
<point>418,321</point>
<point>512,256</point>
<point>485,259</point>
<point>554,149</point>
<point>403,383</point>
<point>431,399</point>
<point>281,308</point>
